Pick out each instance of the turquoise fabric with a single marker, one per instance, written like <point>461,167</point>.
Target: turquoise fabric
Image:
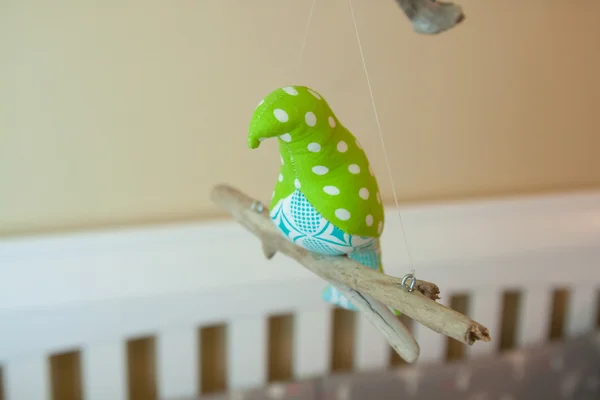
<point>300,223</point>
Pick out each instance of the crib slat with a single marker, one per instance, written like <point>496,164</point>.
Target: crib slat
<point>534,318</point>
<point>312,347</point>
<point>486,308</point>
<point>581,312</point>
<point>246,353</point>
<point>27,379</point>
<point>372,351</point>
<point>432,344</point>
<point>104,371</point>
<point>177,363</point>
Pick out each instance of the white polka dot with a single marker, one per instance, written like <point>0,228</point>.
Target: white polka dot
<point>369,220</point>
<point>286,137</point>
<point>314,94</point>
<point>342,146</point>
<point>297,183</point>
<point>331,122</point>
<point>342,214</point>
<point>290,90</point>
<point>332,190</point>
<point>378,198</point>
<point>358,145</point>
<point>371,171</point>
<point>320,170</point>
<point>314,147</point>
<point>280,115</point>
<point>354,169</point>
<point>363,193</point>
<point>280,178</point>
<point>380,227</point>
<point>310,118</point>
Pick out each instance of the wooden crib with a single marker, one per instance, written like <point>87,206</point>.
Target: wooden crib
<point>178,310</point>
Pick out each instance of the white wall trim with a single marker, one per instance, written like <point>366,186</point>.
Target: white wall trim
<point>70,290</point>
<point>71,269</point>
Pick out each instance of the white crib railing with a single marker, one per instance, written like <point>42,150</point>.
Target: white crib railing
<point>91,292</point>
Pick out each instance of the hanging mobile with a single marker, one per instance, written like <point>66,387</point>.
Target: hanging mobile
<point>326,213</point>
<point>431,16</point>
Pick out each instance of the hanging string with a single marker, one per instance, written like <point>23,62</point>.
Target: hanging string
<point>408,280</point>
<point>306,31</point>
<point>387,161</point>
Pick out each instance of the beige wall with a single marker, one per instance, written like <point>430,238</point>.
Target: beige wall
<point>130,112</point>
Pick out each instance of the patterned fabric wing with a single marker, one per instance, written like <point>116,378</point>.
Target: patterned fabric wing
<point>297,219</point>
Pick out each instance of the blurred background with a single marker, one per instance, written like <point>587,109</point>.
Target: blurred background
<point>128,112</point>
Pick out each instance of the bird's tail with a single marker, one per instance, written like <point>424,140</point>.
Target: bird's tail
<point>369,258</point>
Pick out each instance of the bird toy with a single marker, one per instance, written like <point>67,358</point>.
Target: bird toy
<point>326,197</point>
<point>326,210</point>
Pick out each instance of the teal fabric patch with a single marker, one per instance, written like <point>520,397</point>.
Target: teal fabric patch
<point>304,226</point>
<point>300,223</point>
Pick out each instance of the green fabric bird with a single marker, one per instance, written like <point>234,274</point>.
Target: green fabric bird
<point>326,198</point>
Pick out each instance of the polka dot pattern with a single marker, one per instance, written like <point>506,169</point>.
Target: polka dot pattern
<point>314,147</point>
<point>320,159</point>
<point>314,94</point>
<point>310,118</point>
<point>290,90</point>
<point>342,214</point>
<point>331,190</point>
<point>354,169</point>
<point>320,170</point>
<point>281,115</point>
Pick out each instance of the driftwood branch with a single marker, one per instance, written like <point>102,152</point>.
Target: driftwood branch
<point>430,16</point>
<point>418,305</point>
<point>394,331</point>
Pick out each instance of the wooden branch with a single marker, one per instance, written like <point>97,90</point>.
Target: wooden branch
<point>383,288</point>
<point>394,331</point>
<point>430,16</point>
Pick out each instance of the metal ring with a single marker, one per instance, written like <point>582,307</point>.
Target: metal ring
<point>257,206</point>
<point>413,282</point>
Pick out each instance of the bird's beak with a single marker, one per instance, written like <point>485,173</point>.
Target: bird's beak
<point>253,142</point>
<point>256,136</point>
